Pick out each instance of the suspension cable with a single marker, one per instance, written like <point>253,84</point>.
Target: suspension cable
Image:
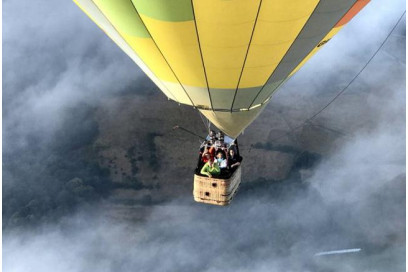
<point>188,131</point>
<point>207,128</point>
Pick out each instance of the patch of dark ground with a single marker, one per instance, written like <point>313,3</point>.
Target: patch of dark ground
<point>45,182</point>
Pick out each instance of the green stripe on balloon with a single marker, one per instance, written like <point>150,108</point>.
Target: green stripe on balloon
<point>166,10</point>
<point>122,14</point>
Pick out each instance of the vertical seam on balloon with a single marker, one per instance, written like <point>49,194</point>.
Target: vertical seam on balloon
<point>132,49</point>
<point>283,81</point>
<point>297,36</point>
<point>158,48</point>
<point>201,54</point>
<point>246,55</point>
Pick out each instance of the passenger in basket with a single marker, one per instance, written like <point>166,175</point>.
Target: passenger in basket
<point>234,160</point>
<point>222,162</point>
<point>209,153</point>
<point>212,137</point>
<point>217,145</point>
<point>203,149</point>
<point>210,169</point>
<point>220,135</point>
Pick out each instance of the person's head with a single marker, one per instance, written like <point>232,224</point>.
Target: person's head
<point>220,155</point>
<point>232,152</point>
<point>212,133</point>
<point>220,134</point>
<point>217,144</point>
<point>207,155</point>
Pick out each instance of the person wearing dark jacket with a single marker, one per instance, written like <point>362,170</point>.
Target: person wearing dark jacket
<point>234,160</point>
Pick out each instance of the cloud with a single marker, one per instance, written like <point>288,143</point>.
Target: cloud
<point>269,227</point>
<point>354,199</point>
<point>347,52</point>
<point>54,58</point>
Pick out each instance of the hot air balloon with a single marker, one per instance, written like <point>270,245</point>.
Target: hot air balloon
<point>226,58</point>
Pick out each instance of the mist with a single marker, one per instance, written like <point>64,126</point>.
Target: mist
<point>57,202</point>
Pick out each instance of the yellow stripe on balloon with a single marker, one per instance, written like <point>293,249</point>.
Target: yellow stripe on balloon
<point>224,28</point>
<point>102,21</point>
<point>178,43</point>
<point>278,25</point>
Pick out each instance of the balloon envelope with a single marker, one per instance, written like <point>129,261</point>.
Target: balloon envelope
<point>226,58</point>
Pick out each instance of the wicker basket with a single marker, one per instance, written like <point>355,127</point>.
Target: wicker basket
<point>216,191</point>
